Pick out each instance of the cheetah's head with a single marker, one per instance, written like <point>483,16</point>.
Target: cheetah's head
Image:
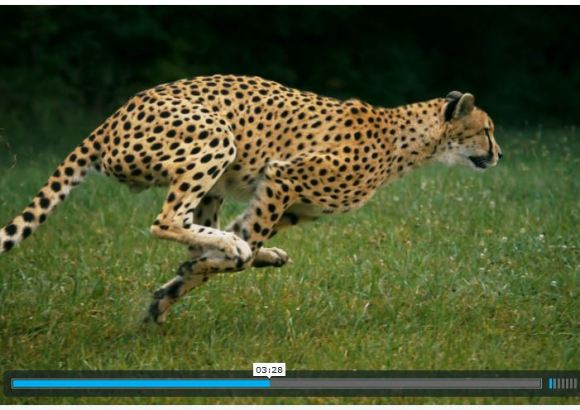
<point>468,137</point>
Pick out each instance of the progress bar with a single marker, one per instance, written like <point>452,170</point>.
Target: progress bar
<point>297,383</point>
<point>302,383</point>
<point>139,384</point>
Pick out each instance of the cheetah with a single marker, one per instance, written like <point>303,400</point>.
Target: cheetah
<point>292,155</point>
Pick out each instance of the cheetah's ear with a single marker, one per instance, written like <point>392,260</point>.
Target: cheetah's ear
<point>452,99</point>
<point>453,95</point>
<point>465,105</point>
<point>458,105</point>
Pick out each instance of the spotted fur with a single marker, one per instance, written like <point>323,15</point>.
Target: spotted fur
<point>294,155</point>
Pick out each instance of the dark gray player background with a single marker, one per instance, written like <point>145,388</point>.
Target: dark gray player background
<point>315,383</point>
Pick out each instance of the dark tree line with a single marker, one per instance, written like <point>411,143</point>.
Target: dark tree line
<point>522,63</point>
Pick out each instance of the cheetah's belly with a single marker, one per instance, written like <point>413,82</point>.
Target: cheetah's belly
<point>231,186</point>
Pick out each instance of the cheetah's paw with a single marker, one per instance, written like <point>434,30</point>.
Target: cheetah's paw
<point>231,248</point>
<point>271,257</point>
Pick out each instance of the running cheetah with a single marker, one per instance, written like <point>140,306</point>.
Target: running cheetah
<point>294,155</point>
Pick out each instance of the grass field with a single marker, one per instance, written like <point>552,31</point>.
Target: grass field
<point>446,269</point>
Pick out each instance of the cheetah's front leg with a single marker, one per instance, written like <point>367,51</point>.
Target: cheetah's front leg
<point>273,196</point>
<point>275,256</point>
<point>206,214</point>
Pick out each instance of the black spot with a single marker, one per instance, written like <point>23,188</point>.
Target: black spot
<point>11,230</point>
<point>28,216</point>
<point>44,203</point>
<point>8,245</point>
<point>129,158</point>
<point>206,158</point>
<point>184,187</point>
<point>26,232</point>
<point>55,186</point>
<point>212,170</point>
<point>158,129</point>
<point>203,135</point>
<point>69,171</point>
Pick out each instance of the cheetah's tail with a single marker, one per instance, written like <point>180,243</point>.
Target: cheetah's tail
<point>68,174</point>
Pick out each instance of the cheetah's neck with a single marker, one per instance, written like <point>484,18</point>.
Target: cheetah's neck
<point>411,137</point>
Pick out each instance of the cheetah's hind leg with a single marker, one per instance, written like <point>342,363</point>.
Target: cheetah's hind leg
<point>215,250</point>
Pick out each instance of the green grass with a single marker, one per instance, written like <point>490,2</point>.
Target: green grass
<point>446,269</point>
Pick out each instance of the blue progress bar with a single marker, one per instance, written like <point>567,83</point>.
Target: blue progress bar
<point>139,383</point>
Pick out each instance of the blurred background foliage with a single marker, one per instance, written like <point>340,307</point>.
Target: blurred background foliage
<point>73,65</point>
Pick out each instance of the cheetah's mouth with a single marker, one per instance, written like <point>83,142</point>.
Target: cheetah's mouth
<point>480,162</point>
